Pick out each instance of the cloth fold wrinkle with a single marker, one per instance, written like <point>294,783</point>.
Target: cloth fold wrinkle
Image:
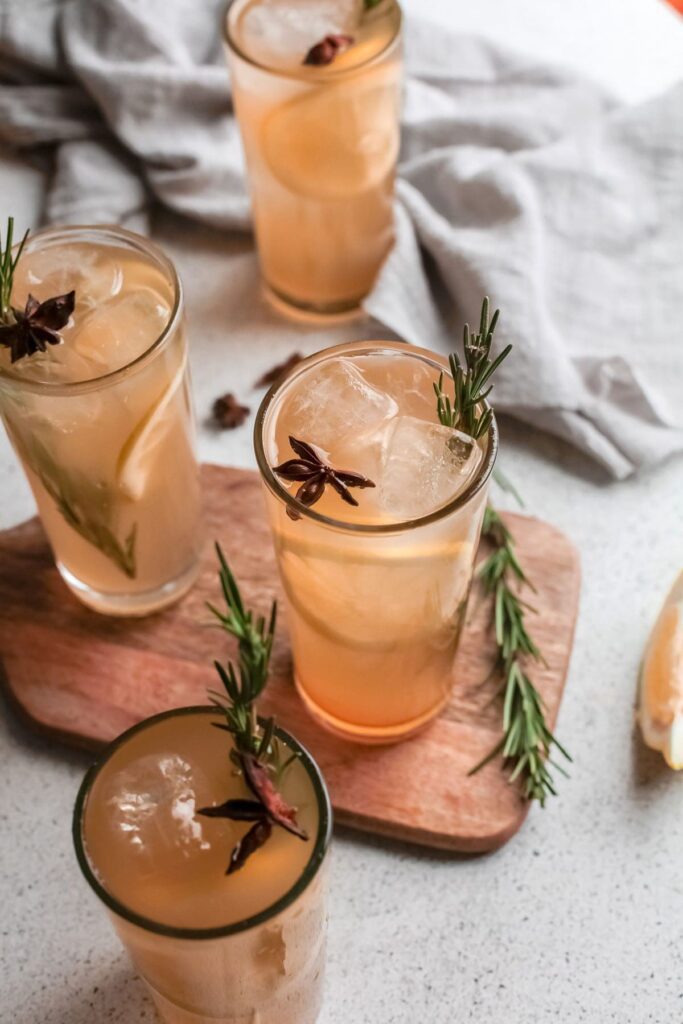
<point>517,180</point>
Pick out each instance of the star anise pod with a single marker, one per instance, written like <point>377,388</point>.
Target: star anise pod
<point>228,413</point>
<point>279,370</point>
<point>327,49</point>
<point>38,326</point>
<point>268,808</point>
<point>311,470</point>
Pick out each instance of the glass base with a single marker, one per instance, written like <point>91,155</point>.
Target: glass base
<point>133,605</point>
<point>368,734</point>
<point>310,312</point>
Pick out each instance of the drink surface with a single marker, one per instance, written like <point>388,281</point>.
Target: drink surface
<point>279,33</point>
<point>375,414</point>
<point>123,303</point>
<point>153,853</point>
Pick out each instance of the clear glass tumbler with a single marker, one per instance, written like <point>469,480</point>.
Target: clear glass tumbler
<point>103,423</point>
<point>212,948</point>
<point>321,143</point>
<point>376,594</point>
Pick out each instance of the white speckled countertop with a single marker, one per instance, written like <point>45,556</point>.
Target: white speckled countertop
<point>580,917</point>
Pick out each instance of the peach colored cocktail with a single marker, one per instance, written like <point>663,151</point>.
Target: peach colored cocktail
<point>376,591</point>
<point>102,422</point>
<point>316,87</point>
<point>213,947</point>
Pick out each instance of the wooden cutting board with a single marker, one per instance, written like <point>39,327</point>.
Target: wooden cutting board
<point>85,678</point>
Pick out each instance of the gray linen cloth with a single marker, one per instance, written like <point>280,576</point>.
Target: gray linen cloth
<point>517,180</point>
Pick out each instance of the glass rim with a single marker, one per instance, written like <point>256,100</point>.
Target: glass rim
<point>312,73</point>
<point>134,241</point>
<point>320,846</point>
<point>356,347</point>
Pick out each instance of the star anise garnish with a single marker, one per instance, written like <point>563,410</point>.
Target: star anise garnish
<point>327,49</point>
<point>311,470</point>
<point>268,808</point>
<point>37,326</point>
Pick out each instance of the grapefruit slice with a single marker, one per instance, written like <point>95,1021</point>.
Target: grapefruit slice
<point>660,711</point>
<point>140,448</point>
<point>334,142</point>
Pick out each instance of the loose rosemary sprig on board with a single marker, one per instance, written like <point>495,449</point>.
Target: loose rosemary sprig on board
<point>527,741</point>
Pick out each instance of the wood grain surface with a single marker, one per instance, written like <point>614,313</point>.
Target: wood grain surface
<point>84,677</point>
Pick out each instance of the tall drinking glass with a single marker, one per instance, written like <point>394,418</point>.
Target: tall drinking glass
<point>376,593</point>
<point>213,948</point>
<point>321,142</point>
<point>103,424</point>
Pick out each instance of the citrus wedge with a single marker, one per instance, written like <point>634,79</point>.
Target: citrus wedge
<point>139,450</point>
<point>660,710</point>
<point>335,142</point>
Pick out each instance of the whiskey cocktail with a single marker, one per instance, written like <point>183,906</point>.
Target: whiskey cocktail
<point>376,509</point>
<point>316,88</point>
<point>102,421</point>
<point>213,947</point>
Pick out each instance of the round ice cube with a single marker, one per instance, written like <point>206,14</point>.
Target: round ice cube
<point>424,465</point>
<point>337,403</point>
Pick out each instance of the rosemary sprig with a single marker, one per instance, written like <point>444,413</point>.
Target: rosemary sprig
<point>244,684</point>
<point>527,741</point>
<point>255,751</point>
<point>86,505</point>
<point>8,264</point>
<point>465,412</point>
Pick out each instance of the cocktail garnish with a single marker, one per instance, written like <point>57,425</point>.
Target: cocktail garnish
<point>328,49</point>
<point>38,326</point>
<point>465,412</point>
<point>256,751</point>
<point>311,470</point>
<point>527,741</point>
<point>228,413</point>
<point>279,370</point>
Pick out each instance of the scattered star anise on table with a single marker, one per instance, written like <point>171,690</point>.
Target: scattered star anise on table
<point>279,370</point>
<point>328,49</point>
<point>314,474</point>
<point>228,413</point>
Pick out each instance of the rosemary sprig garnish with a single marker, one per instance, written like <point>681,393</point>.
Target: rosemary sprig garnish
<point>8,264</point>
<point>244,685</point>
<point>527,741</point>
<point>256,751</point>
<point>466,412</point>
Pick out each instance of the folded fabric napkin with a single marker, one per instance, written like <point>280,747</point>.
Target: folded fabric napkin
<point>516,180</point>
